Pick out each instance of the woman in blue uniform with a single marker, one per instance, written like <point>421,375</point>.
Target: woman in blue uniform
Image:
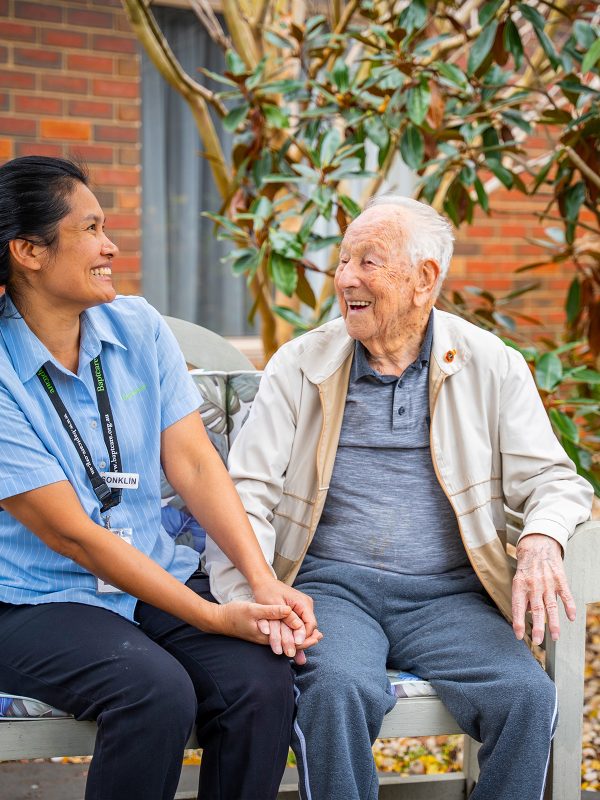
<point>101,614</point>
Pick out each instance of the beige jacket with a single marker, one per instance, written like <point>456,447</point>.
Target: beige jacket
<point>491,443</point>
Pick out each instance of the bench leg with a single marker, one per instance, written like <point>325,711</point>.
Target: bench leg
<point>470,763</point>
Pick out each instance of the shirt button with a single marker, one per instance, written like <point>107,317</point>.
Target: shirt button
<point>401,410</point>
<point>93,424</point>
<point>102,464</point>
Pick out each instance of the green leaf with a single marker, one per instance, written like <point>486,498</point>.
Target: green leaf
<point>511,40</point>
<point>235,117</point>
<point>488,10</point>
<point>591,57</point>
<point>283,87</point>
<point>548,371</point>
<point>585,35</point>
<point>533,16</point>
<point>235,64</point>
<point>481,47</point>
<point>275,116</point>
<point>292,317</point>
<point>586,376</point>
<point>341,75</point>
<point>247,260</point>
<point>320,242</point>
<point>417,104</point>
<point>573,304</point>
<point>481,195</point>
<point>284,273</point>
<point>262,208</point>
<point>573,200</point>
<point>286,243</point>
<point>412,147</point>
<point>377,131</point>
<point>564,425</point>
<point>329,146</point>
<point>262,167</point>
<point>216,77</point>
<point>349,205</point>
<point>257,75</point>
<point>504,176</point>
<point>452,73</point>
<point>308,225</point>
<point>279,41</point>
<point>414,16</point>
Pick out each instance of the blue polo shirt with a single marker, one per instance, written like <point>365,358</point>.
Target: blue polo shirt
<point>149,389</point>
<point>385,507</point>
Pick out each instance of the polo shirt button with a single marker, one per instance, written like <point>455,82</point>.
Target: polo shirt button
<point>93,424</point>
<point>401,410</point>
<point>102,464</point>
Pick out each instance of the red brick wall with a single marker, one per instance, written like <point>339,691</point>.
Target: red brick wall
<point>70,86</point>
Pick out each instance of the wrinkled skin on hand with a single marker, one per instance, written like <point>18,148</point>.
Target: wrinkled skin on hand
<point>539,580</point>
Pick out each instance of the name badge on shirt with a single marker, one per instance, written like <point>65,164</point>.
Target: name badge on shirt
<point>106,588</point>
<point>121,480</point>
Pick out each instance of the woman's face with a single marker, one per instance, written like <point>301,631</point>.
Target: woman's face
<point>78,273</point>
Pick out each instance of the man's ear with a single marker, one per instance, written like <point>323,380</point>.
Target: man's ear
<point>26,254</point>
<point>428,273</point>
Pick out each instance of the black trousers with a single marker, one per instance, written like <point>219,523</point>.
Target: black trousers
<point>147,686</point>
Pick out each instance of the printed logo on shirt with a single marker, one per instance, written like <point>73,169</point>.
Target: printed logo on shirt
<point>133,393</point>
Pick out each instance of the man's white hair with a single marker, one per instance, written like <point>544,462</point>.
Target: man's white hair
<point>432,236</point>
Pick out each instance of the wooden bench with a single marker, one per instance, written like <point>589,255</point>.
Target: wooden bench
<point>420,716</point>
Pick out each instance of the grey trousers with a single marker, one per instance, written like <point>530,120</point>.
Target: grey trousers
<point>443,628</point>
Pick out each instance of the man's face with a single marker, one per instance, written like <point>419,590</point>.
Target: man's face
<point>375,280</point>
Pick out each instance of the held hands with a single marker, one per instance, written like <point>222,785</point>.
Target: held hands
<point>247,620</point>
<point>285,636</point>
<point>539,579</point>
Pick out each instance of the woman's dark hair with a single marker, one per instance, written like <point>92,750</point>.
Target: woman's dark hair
<point>34,197</point>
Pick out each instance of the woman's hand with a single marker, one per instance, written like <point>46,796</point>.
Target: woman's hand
<point>250,621</point>
<point>285,636</point>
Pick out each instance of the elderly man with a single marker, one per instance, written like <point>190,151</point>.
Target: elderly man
<point>374,467</point>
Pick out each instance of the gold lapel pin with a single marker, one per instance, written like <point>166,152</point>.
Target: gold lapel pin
<point>449,357</point>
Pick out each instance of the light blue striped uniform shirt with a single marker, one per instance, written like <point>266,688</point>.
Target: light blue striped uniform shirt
<point>149,389</point>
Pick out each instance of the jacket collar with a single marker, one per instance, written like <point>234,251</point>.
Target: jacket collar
<point>325,349</point>
<point>27,353</point>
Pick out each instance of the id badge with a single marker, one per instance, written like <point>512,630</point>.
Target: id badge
<point>106,588</point>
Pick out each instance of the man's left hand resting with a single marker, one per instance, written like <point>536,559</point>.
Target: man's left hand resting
<point>539,580</point>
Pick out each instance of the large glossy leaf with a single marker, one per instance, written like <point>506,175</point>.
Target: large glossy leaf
<point>573,304</point>
<point>275,116</point>
<point>235,117</point>
<point>235,64</point>
<point>412,147</point>
<point>481,47</point>
<point>537,20</point>
<point>452,73</point>
<point>504,175</point>
<point>329,146</point>
<point>591,57</point>
<point>376,131</point>
<point>284,273</point>
<point>564,425</point>
<point>413,16</point>
<point>488,10</point>
<point>548,371</point>
<point>417,103</point>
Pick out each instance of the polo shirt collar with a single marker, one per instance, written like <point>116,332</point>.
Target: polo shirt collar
<point>361,367</point>
<point>27,352</point>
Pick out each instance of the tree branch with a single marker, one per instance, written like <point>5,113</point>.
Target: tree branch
<point>149,35</point>
<point>583,167</point>
<point>339,28</point>
<point>208,19</point>
<point>241,33</point>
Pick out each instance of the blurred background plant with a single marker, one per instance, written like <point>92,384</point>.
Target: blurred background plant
<point>324,97</point>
